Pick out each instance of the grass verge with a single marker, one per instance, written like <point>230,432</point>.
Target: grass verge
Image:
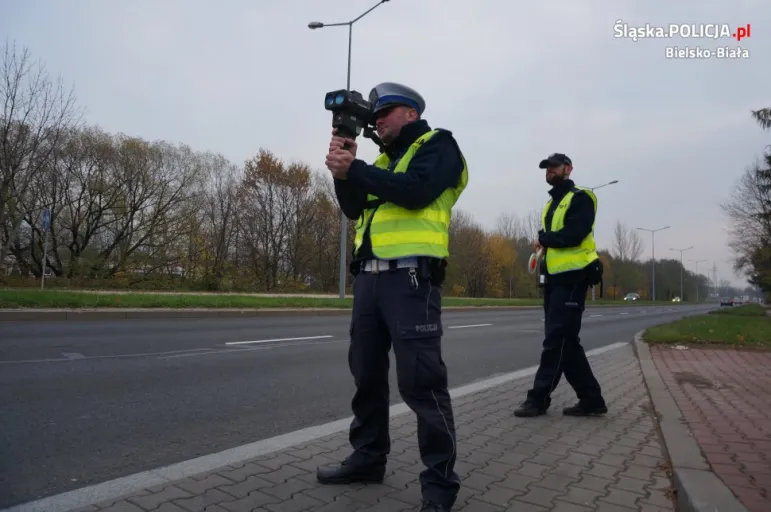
<point>25,298</point>
<point>741,327</point>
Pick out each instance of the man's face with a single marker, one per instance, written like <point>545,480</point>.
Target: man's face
<point>557,173</point>
<point>389,122</point>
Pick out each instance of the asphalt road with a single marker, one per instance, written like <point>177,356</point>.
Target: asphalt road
<point>86,402</point>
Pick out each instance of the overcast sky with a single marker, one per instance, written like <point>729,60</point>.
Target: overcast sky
<point>514,81</point>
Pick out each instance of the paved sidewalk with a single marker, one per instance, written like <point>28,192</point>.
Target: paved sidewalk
<point>551,463</point>
<point>725,397</point>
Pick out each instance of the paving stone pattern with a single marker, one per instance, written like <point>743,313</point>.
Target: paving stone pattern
<point>550,463</point>
<point>725,396</point>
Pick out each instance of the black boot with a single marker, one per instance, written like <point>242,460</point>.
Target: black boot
<point>429,506</point>
<point>585,409</point>
<point>346,473</point>
<point>530,409</point>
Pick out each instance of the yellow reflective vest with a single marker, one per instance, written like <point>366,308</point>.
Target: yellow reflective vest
<point>397,232</point>
<point>560,260</point>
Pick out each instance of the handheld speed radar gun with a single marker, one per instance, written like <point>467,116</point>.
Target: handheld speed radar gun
<point>351,114</point>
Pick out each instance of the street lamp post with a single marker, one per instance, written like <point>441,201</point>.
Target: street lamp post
<point>697,277</point>
<point>603,185</point>
<point>681,251</point>
<point>653,259</point>
<point>594,296</point>
<point>343,219</point>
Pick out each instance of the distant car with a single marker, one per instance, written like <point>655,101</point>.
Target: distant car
<point>676,299</point>
<point>632,296</point>
<point>726,301</point>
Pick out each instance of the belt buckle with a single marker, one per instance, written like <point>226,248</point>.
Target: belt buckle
<point>374,266</point>
<point>410,262</point>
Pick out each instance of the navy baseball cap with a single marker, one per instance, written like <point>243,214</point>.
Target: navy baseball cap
<point>554,160</point>
<point>389,94</point>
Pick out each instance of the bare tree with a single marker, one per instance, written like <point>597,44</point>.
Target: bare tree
<point>157,183</point>
<point>530,225</point>
<point>749,209</point>
<point>469,258</point>
<point>627,244</point>
<point>218,216</point>
<point>324,235</point>
<point>78,188</point>
<point>35,113</point>
<point>275,200</point>
<point>508,225</point>
<point>763,117</point>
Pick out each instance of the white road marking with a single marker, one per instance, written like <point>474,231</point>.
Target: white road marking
<point>278,339</point>
<point>251,349</point>
<point>623,313</point>
<point>593,316</point>
<point>88,358</point>
<point>166,475</point>
<point>468,326</point>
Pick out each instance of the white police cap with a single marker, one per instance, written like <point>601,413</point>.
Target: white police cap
<point>389,94</point>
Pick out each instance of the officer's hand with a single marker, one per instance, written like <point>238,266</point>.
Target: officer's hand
<point>338,143</point>
<point>537,246</point>
<point>338,162</point>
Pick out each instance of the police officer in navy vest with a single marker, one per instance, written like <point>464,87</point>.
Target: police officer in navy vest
<point>569,266</point>
<point>402,204</point>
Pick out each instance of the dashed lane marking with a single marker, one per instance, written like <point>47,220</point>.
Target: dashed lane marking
<point>274,340</point>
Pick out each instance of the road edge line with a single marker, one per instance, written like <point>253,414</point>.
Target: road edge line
<point>123,486</point>
<point>698,489</point>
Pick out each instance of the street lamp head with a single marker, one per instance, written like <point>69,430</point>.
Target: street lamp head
<point>653,230</point>
<point>613,182</point>
<point>315,24</point>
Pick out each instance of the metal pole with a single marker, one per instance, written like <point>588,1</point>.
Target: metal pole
<point>653,265</point>
<point>350,41</point>
<point>594,296</point>
<point>653,259</point>
<point>343,219</point>
<point>698,281</point>
<point>45,260</point>
<point>681,251</point>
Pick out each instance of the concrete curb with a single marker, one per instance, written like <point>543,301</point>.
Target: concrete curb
<point>698,488</point>
<point>58,315</point>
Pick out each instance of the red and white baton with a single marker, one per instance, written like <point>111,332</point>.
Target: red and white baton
<point>532,264</point>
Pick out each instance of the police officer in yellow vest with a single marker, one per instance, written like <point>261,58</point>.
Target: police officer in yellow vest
<point>402,204</point>
<point>569,267</point>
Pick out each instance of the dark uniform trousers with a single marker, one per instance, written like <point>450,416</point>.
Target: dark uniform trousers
<point>399,308</point>
<point>563,305</point>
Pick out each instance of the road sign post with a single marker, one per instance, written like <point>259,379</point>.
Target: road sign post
<point>46,221</point>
